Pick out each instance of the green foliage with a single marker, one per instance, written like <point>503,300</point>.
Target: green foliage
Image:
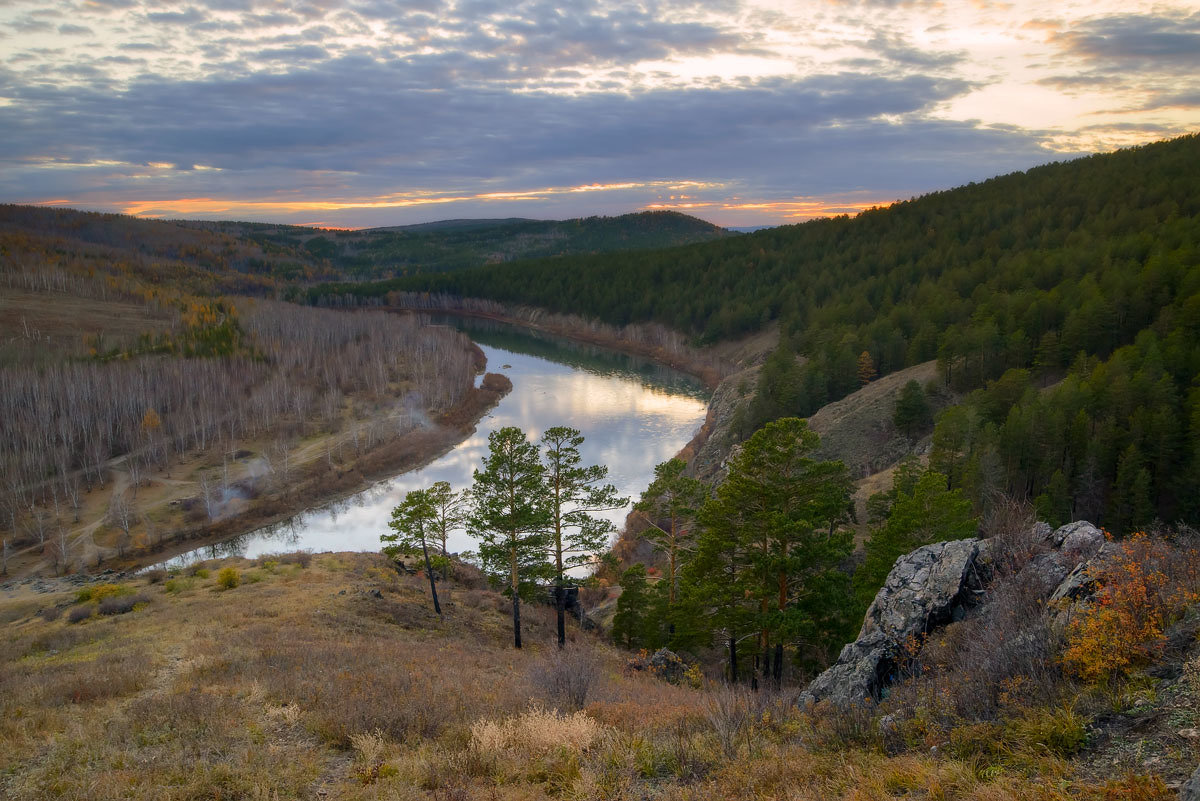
<point>672,498</point>
<point>575,495</point>
<point>228,578</point>
<point>919,512</point>
<point>99,592</point>
<point>912,415</point>
<point>509,513</point>
<point>458,244</point>
<point>1114,442</point>
<point>1023,272</point>
<point>771,544</point>
<point>629,623</point>
<point>413,523</point>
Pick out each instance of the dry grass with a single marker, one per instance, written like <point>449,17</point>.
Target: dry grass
<point>286,687</point>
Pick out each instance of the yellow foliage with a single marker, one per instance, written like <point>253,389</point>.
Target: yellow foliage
<point>537,731</point>
<point>1124,626</point>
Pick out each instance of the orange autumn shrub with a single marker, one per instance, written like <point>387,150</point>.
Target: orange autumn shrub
<point>1140,591</point>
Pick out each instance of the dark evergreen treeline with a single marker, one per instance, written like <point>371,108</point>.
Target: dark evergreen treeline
<point>458,244</point>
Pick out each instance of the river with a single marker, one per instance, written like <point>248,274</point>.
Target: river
<point>633,414</point>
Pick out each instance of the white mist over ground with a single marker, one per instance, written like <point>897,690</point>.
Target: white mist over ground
<point>629,424</point>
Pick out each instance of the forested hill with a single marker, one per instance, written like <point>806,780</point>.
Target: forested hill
<point>1020,233</point>
<point>1080,276</point>
<point>458,244</point>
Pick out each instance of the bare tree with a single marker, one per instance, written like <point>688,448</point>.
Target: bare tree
<point>122,514</point>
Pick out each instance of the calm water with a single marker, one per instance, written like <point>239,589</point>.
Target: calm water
<point>633,413</point>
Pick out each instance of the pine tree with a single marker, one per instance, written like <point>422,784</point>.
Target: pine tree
<point>630,619</point>
<point>783,509</point>
<point>449,514</point>
<point>928,513</point>
<point>912,413</point>
<point>574,495</point>
<point>412,523</point>
<point>675,497</point>
<point>509,516</point>
<point>865,368</point>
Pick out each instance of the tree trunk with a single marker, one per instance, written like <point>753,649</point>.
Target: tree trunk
<point>733,674</point>
<point>516,598</point>
<point>429,572</point>
<point>777,672</point>
<point>516,620</point>
<point>560,607</point>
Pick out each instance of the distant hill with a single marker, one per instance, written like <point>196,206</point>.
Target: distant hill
<point>456,244</point>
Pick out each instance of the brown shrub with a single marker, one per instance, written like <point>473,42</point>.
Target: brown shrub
<point>121,605</point>
<point>110,676</point>
<point>566,676</point>
<point>80,613</point>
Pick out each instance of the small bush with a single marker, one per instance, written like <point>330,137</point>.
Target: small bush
<point>1138,597</point>
<point>202,573</point>
<point>155,576</point>
<point>50,614</point>
<point>80,613</point>
<point>1060,731</point>
<point>538,731</point>
<point>121,605</point>
<point>98,592</point>
<point>228,578</point>
<point>177,585</point>
<point>566,677</point>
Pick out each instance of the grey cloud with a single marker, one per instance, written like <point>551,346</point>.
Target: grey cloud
<point>191,16</point>
<point>364,121</point>
<point>897,49</point>
<point>293,54</point>
<point>1137,41</point>
<point>74,30</point>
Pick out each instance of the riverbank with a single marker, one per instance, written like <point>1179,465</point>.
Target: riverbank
<point>649,341</point>
<point>311,477</point>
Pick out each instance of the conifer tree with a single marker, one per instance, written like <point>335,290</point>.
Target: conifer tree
<point>630,619</point>
<point>927,513</point>
<point>674,497</point>
<point>780,510</point>
<point>912,410</point>
<point>574,495</point>
<point>509,516</point>
<point>866,368</point>
<point>412,523</point>
<point>449,514</point>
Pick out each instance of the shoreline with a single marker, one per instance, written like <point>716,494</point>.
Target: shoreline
<point>408,452</point>
<point>312,488</point>
<point>708,374</point>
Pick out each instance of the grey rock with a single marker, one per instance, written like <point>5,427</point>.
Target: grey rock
<point>1078,538</point>
<point>1190,791</point>
<point>938,583</point>
<point>925,588</point>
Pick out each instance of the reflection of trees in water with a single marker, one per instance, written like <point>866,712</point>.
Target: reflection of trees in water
<point>580,355</point>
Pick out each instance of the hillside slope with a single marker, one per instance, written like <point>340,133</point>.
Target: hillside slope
<point>329,676</point>
<point>457,244</point>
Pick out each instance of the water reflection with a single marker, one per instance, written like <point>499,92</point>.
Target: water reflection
<point>633,413</point>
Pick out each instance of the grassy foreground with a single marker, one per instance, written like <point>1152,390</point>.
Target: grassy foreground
<point>330,677</point>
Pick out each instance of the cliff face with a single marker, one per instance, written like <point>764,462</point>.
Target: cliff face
<point>732,394</point>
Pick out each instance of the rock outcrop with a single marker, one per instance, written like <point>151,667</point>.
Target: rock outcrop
<point>938,583</point>
<point>926,588</point>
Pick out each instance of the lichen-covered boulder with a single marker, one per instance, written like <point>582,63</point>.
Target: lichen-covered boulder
<point>925,588</point>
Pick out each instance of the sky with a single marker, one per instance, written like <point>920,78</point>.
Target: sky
<point>357,113</point>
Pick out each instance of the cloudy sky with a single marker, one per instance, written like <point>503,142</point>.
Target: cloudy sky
<point>366,112</point>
